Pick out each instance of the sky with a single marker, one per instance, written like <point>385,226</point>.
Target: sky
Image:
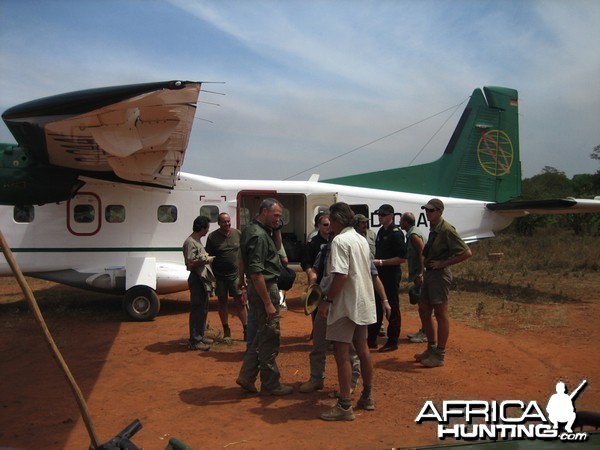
<point>295,84</point>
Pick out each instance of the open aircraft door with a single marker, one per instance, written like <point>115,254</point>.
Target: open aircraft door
<point>317,203</point>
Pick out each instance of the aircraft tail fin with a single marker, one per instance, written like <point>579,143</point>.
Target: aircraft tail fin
<point>481,161</point>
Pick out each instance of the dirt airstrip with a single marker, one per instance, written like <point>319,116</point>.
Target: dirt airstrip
<point>129,370</point>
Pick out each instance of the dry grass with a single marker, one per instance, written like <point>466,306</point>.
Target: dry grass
<point>529,285</point>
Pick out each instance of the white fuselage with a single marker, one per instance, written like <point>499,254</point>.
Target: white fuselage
<point>77,243</point>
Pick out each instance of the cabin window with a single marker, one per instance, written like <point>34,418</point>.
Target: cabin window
<point>23,214</point>
<point>84,213</point>
<point>210,211</point>
<point>114,213</point>
<point>167,213</point>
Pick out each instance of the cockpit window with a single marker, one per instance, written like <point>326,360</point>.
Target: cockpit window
<point>23,214</point>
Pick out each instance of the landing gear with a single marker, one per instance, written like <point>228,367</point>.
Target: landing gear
<point>141,303</point>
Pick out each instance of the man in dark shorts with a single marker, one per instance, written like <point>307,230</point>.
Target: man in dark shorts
<point>224,245</point>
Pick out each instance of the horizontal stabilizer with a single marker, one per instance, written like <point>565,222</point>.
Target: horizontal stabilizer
<point>552,206</point>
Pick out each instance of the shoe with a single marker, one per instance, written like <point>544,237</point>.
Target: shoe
<point>226,332</point>
<point>337,413</point>
<point>366,403</point>
<point>246,385</point>
<point>212,333</point>
<point>372,344</point>
<point>199,346</point>
<point>418,337</point>
<point>421,356</point>
<point>435,359</point>
<point>207,340</point>
<point>283,389</point>
<point>389,347</point>
<point>311,385</point>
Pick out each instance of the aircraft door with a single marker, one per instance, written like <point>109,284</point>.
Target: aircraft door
<point>85,213</point>
<point>317,203</point>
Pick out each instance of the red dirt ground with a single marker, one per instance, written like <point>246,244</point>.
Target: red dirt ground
<point>130,370</point>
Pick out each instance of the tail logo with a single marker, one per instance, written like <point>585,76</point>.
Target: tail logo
<point>495,153</point>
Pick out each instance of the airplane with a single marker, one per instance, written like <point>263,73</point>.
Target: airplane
<point>93,194</point>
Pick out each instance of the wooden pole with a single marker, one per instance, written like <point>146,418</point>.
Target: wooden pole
<point>53,348</point>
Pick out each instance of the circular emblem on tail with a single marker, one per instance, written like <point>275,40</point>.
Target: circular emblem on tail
<point>495,153</point>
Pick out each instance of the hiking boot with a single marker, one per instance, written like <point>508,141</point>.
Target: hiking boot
<point>207,340</point>
<point>246,385</point>
<point>337,413</point>
<point>311,385</point>
<point>198,346</point>
<point>418,337</point>
<point>366,403</point>
<point>435,359</point>
<point>212,333</point>
<point>283,389</point>
<point>421,356</point>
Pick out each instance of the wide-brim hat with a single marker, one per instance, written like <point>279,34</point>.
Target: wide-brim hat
<point>312,298</point>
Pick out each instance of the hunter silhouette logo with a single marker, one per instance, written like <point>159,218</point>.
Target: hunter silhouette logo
<point>561,406</point>
<point>508,419</point>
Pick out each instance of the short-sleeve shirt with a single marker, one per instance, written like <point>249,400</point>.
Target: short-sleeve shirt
<point>443,243</point>
<point>226,250</point>
<point>389,244</point>
<point>193,250</point>
<point>259,252</point>
<point>349,255</point>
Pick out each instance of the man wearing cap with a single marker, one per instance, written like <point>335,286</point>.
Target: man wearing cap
<point>361,225</point>
<point>390,252</point>
<point>443,249</point>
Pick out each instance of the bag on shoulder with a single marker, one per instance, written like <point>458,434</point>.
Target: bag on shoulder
<point>286,278</point>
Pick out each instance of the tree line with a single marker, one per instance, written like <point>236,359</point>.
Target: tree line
<point>553,184</point>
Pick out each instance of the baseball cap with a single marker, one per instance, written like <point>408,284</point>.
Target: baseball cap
<point>358,218</point>
<point>434,203</point>
<point>385,209</point>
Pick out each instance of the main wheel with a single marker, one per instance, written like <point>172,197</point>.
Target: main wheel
<point>141,303</point>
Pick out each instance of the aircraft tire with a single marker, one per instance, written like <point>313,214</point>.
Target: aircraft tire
<point>141,304</point>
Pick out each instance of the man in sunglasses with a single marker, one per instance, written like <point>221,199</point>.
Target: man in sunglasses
<point>390,252</point>
<point>444,248</point>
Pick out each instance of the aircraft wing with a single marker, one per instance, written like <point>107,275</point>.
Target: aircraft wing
<point>556,206</point>
<point>138,133</point>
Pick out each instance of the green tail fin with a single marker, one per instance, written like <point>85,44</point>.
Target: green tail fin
<point>481,161</point>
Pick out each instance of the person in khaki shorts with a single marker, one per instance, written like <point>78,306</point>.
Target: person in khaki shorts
<point>349,305</point>
<point>444,248</point>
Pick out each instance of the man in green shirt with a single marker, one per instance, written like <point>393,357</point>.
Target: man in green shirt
<point>444,248</point>
<point>224,245</point>
<point>263,267</point>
